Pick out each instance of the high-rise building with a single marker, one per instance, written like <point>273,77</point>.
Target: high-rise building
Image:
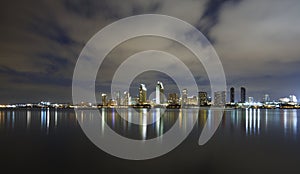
<point>117,97</point>
<point>127,99</point>
<point>184,97</point>
<point>173,98</point>
<point>232,95</point>
<point>202,98</point>
<point>243,94</point>
<point>159,92</point>
<point>104,99</point>
<point>266,98</point>
<point>220,98</point>
<point>112,102</point>
<point>142,94</point>
<point>192,101</point>
<point>250,99</point>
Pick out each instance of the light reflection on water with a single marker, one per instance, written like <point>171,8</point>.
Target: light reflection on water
<point>247,141</point>
<point>257,121</point>
<point>44,119</point>
<point>143,130</point>
<point>252,122</point>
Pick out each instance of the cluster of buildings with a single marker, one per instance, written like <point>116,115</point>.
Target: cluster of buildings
<point>173,100</point>
<point>160,99</point>
<point>141,100</point>
<point>286,102</point>
<point>42,104</point>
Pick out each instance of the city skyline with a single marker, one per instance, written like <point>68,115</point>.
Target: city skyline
<point>150,86</point>
<point>171,100</point>
<point>220,98</point>
<point>183,98</point>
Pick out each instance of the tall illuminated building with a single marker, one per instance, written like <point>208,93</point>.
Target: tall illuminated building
<point>202,98</point>
<point>142,94</point>
<point>117,97</point>
<point>192,101</point>
<point>250,99</point>
<point>266,98</point>
<point>104,99</point>
<point>184,97</point>
<point>243,94</point>
<point>127,99</point>
<point>232,95</point>
<point>173,98</point>
<point>220,98</point>
<point>159,92</point>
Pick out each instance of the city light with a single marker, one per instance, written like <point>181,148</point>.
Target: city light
<point>173,100</point>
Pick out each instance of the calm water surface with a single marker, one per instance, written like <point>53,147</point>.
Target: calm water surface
<point>247,141</point>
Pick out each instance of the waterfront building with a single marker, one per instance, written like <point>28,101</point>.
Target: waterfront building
<point>104,99</point>
<point>184,97</point>
<point>293,98</point>
<point>127,99</point>
<point>193,101</point>
<point>117,97</point>
<point>266,98</point>
<point>243,94</point>
<point>250,100</point>
<point>232,99</point>
<point>173,98</point>
<point>219,98</point>
<point>202,98</point>
<point>159,93</point>
<point>142,94</point>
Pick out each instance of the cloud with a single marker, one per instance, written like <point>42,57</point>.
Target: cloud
<point>256,30</point>
<point>211,15</point>
<point>257,41</point>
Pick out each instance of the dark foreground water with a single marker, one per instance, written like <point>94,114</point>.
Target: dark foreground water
<point>247,141</point>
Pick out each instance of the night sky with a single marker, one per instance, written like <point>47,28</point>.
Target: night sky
<point>257,41</point>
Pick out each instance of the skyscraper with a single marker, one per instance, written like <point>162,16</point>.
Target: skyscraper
<point>192,101</point>
<point>184,97</point>
<point>232,95</point>
<point>220,98</point>
<point>127,99</point>
<point>104,99</point>
<point>202,98</point>
<point>118,98</point>
<point>250,99</point>
<point>173,98</point>
<point>142,94</point>
<point>243,94</point>
<point>159,92</point>
<point>266,98</point>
